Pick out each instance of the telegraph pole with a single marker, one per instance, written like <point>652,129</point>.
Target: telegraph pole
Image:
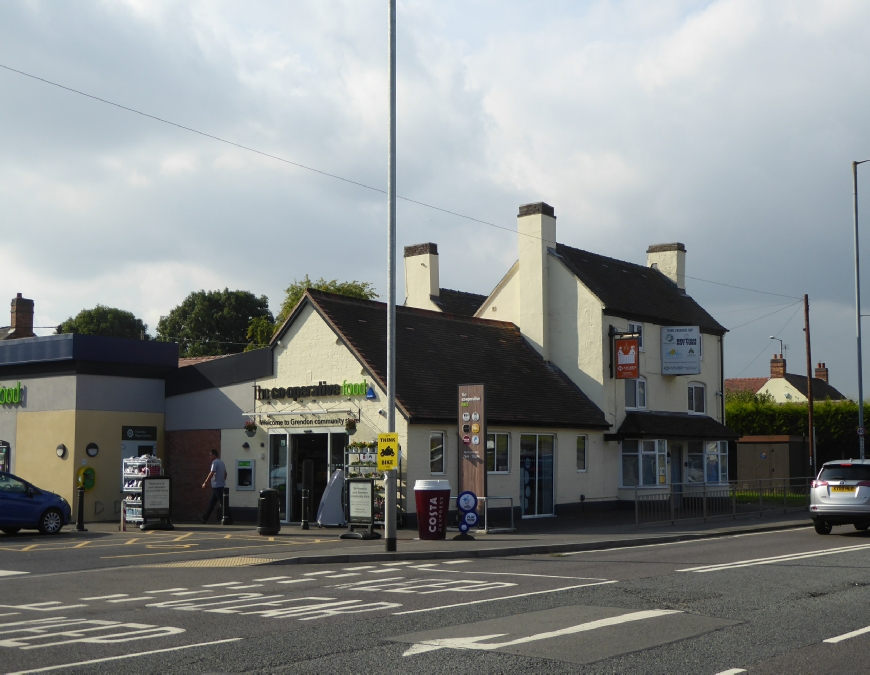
<point>390,476</point>
<point>858,310</point>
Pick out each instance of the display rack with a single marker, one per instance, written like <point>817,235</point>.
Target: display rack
<point>134,469</point>
<point>361,461</point>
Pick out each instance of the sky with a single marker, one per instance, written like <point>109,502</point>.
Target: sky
<point>729,126</point>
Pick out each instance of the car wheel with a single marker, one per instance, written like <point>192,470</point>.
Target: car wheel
<point>10,530</point>
<point>822,527</point>
<point>861,526</point>
<point>51,522</point>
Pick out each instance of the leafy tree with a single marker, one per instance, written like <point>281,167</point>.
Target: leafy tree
<point>211,323</point>
<point>108,321</point>
<point>260,331</point>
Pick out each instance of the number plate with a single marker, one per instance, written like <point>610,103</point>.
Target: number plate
<point>842,488</point>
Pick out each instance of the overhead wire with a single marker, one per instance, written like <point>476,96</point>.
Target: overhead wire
<point>767,346</point>
<point>766,315</point>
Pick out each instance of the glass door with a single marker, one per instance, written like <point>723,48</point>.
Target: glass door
<point>537,473</point>
<point>278,469</point>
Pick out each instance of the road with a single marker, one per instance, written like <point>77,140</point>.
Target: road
<point>776,602</point>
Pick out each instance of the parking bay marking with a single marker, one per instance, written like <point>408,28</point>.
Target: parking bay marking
<point>774,559</point>
<point>35,633</point>
<point>476,642</point>
<point>122,656</point>
<point>275,606</point>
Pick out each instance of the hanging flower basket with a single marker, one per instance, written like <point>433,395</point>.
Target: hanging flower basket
<point>350,427</point>
<point>250,427</point>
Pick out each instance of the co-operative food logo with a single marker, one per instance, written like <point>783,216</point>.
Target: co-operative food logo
<point>10,395</point>
<point>129,433</point>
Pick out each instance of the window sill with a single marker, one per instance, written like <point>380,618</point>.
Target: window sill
<point>498,473</point>
<point>582,470</point>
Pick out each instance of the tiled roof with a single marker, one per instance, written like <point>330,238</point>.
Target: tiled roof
<point>4,332</point>
<point>671,425</point>
<point>193,360</point>
<point>821,389</point>
<point>636,292</point>
<point>752,384</point>
<point>437,352</point>
<point>458,302</point>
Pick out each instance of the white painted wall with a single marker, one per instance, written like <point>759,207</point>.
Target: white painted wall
<point>119,394</point>
<point>422,281</point>
<point>782,391</point>
<point>218,408</point>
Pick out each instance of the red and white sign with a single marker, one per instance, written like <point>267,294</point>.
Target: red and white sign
<point>626,359</point>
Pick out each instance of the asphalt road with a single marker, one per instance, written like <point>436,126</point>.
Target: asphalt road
<point>777,602</point>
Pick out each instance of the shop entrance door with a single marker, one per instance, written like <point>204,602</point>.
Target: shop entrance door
<point>278,470</point>
<point>537,474</point>
<point>315,448</point>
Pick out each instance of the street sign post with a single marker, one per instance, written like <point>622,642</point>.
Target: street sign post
<point>472,436</point>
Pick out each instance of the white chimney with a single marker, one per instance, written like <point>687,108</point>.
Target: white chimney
<point>670,260</point>
<point>537,232</point>
<point>421,275</point>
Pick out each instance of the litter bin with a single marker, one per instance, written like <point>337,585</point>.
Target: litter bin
<point>268,517</point>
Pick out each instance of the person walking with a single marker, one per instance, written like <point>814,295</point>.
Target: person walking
<point>218,478</point>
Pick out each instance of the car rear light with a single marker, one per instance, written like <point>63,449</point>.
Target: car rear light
<point>819,483</point>
<point>864,483</point>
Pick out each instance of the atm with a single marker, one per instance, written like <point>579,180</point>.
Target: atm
<point>245,474</point>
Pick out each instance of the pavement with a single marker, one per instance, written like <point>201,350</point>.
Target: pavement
<point>104,546</point>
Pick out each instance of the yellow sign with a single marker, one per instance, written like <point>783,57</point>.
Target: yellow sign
<point>388,451</point>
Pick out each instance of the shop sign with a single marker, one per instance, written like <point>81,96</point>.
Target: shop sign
<point>388,451</point>
<point>472,464</point>
<point>681,350</point>
<point>156,501</point>
<point>320,390</point>
<point>138,433</point>
<point>303,421</point>
<point>11,395</point>
<point>626,359</point>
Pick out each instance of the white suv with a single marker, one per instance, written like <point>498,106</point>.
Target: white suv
<point>841,495</point>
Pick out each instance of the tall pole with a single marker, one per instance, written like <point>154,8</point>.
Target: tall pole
<point>809,382</point>
<point>858,310</point>
<point>390,480</point>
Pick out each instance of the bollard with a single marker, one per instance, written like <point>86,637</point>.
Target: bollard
<point>305,499</point>
<point>226,518</point>
<point>80,513</point>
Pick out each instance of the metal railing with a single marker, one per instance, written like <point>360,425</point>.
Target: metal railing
<point>703,501</point>
<point>484,502</point>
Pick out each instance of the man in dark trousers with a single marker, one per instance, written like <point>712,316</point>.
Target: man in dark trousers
<point>218,477</point>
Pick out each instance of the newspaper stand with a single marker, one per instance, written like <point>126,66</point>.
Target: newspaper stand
<point>360,508</point>
<point>156,503</point>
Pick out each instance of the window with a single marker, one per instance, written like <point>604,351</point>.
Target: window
<point>708,462</point>
<point>498,453</point>
<point>9,484</point>
<point>637,328</point>
<point>635,393</point>
<point>644,462</point>
<point>697,402</point>
<point>581,453</point>
<point>437,462</point>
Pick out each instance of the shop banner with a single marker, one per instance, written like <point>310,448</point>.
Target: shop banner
<point>626,359</point>
<point>472,439</point>
<point>681,350</point>
<point>156,502</point>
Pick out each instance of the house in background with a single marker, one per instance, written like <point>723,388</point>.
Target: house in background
<point>787,387</point>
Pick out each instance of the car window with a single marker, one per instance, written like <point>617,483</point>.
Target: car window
<point>9,484</point>
<point>845,472</point>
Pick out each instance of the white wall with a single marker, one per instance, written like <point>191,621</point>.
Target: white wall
<point>119,394</point>
<point>218,408</point>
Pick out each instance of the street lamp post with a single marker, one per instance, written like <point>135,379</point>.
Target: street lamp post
<point>773,337</point>
<point>858,308</point>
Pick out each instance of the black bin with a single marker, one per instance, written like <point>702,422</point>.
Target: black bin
<point>268,517</point>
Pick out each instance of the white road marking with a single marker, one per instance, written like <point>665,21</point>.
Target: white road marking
<point>518,574</point>
<point>507,597</point>
<point>426,586</point>
<point>192,592</point>
<point>169,590</point>
<point>225,583</point>
<point>353,584</point>
<point>362,567</point>
<point>10,613</point>
<point>236,588</point>
<point>775,559</point>
<point>272,578</point>
<point>475,642</point>
<point>384,571</point>
<point>35,634</point>
<point>294,581</point>
<point>455,562</point>
<point>393,564</point>
<point>106,597</point>
<point>10,573</point>
<point>53,606</point>
<point>341,576</point>
<point>141,597</point>
<point>733,671</point>
<point>317,574</point>
<point>123,656</point>
<point>625,548</point>
<point>846,636</point>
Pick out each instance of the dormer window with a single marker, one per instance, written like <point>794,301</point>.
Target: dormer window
<point>635,394</point>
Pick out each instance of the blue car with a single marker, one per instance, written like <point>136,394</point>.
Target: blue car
<point>23,505</point>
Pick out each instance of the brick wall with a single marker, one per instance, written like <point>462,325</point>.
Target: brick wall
<point>187,463</point>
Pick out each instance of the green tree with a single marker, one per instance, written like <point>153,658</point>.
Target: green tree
<point>211,323</point>
<point>260,331</point>
<point>108,321</point>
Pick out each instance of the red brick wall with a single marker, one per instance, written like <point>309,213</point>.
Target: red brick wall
<point>187,463</point>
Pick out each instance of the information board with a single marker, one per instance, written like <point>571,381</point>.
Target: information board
<point>360,501</point>
<point>681,350</point>
<point>472,439</point>
<point>156,497</point>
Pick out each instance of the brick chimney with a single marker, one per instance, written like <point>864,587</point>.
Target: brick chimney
<point>22,318</point>
<point>821,372</point>
<point>421,276</point>
<point>777,366</point>
<point>670,260</point>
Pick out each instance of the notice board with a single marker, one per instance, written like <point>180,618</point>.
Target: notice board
<point>472,439</point>
<point>156,497</point>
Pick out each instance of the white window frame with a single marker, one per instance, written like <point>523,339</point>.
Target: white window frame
<point>443,435</point>
<point>585,468</point>
<point>649,448</point>
<point>495,435</point>
<point>634,383</point>
<point>637,327</point>
<point>693,387</point>
<point>709,449</point>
